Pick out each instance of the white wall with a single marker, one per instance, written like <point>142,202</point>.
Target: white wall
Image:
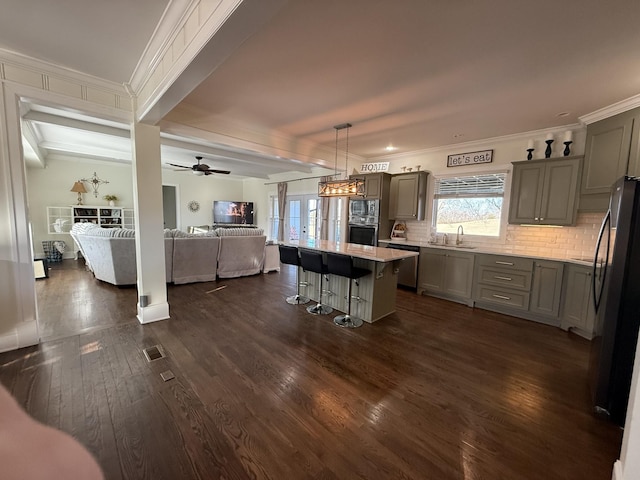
<point>507,149</point>
<point>511,148</point>
<point>49,187</point>
<point>203,189</point>
<point>256,191</point>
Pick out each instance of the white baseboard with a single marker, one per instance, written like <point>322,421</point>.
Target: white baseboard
<point>153,313</point>
<point>25,334</point>
<point>617,471</point>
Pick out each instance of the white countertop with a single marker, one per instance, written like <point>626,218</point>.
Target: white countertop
<point>377,254</point>
<point>488,251</point>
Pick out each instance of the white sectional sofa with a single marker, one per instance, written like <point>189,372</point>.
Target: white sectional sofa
<point>225,253</point>
<point>241,252</point>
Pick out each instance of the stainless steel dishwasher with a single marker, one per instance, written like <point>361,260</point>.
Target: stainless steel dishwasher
<point>408,272</point>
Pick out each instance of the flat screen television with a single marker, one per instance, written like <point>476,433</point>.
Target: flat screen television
<point>232,213</point>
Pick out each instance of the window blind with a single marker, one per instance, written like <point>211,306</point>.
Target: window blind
<point>486,185</point>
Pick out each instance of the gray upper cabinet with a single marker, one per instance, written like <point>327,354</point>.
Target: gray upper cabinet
<point>545,192</point>
<point>408,196</point>
<point>376,185</point>
<point>612,150</point>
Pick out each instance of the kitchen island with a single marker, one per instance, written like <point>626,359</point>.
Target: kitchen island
<point>377,291</point>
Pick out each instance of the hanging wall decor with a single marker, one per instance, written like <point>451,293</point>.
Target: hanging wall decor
<point>95,183</point>
<point>470,158</point>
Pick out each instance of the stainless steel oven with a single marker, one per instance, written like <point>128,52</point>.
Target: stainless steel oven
<point>363,234</point>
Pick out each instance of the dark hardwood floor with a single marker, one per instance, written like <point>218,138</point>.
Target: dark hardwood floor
<point>264,390</point>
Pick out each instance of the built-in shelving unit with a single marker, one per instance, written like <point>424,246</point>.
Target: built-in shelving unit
<point>61,219</point>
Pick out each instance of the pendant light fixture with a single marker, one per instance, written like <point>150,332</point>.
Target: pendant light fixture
<point>346,186</point>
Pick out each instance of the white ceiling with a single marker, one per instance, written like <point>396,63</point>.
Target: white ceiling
<point>413,74</point>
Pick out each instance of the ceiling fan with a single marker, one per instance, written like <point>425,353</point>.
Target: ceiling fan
<point>201,168</point>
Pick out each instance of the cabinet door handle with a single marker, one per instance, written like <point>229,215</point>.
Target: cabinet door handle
<point>504,263</point>
<point>502,297</point>
<point>541,219</point>
<point>503,278</point>
<point>536,218</point>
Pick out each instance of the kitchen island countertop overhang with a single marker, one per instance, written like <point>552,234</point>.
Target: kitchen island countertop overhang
<point>365,252</point>
<point>377,292</point>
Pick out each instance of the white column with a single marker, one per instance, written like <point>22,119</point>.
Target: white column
<point>18,324</point>
<point>147,196</point>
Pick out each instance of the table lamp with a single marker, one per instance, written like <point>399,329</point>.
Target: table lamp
<point>78,187</point>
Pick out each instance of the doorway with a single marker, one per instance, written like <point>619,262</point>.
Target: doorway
<point>170,206</point>
<point>301,219</point>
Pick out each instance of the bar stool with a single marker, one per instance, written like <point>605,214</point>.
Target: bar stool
<point>289,256</point>
<point>312,262</point>
<point>342,265</point>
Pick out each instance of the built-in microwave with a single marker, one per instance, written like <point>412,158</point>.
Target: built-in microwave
<point>364,211</point>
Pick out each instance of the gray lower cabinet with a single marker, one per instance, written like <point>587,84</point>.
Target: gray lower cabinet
<point>545,192</point>
<point>547,288</point>
<point>612,150</point>
<point>519,286</point>
<point>578,313</point>
<point>446,273</point>
<point>503,282</point>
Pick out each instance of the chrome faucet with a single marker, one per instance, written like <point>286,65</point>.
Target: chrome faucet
<point>459,235</point>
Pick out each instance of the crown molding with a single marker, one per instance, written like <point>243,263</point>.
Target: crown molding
<point>49,69</point>
<point>606,112</point>
<point>170,25</point>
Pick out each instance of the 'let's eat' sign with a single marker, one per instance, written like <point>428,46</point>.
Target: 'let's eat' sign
<point>471,158</point>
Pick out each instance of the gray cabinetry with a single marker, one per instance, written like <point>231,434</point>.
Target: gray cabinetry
<point>431,273</point>
<point>519,286</point>
<point>578,313</point>
<point>408,196</point>
<point>612,150</point>
<point>503,281</point>
<point>547,288</point>
<point>446,273</point>
<point>376,185</point>
<point>544,192</point>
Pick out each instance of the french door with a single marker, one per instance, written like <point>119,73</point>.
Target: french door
<point>302,218</point>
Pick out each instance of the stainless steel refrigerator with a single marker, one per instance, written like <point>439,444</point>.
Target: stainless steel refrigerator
<point>616,296</point>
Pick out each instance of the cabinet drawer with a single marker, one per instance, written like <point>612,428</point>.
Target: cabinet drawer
<point>507,263</point>
<point>505,277</point>
<point>503,296</point>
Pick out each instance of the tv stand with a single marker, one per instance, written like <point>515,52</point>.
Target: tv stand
<point>233,225</point>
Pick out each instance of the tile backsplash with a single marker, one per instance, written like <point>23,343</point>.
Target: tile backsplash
<point>561,242</point>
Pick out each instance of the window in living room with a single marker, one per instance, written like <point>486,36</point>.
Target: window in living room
<point>473,201</point>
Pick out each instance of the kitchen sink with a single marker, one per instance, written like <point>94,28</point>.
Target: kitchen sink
<point>465,247</point>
